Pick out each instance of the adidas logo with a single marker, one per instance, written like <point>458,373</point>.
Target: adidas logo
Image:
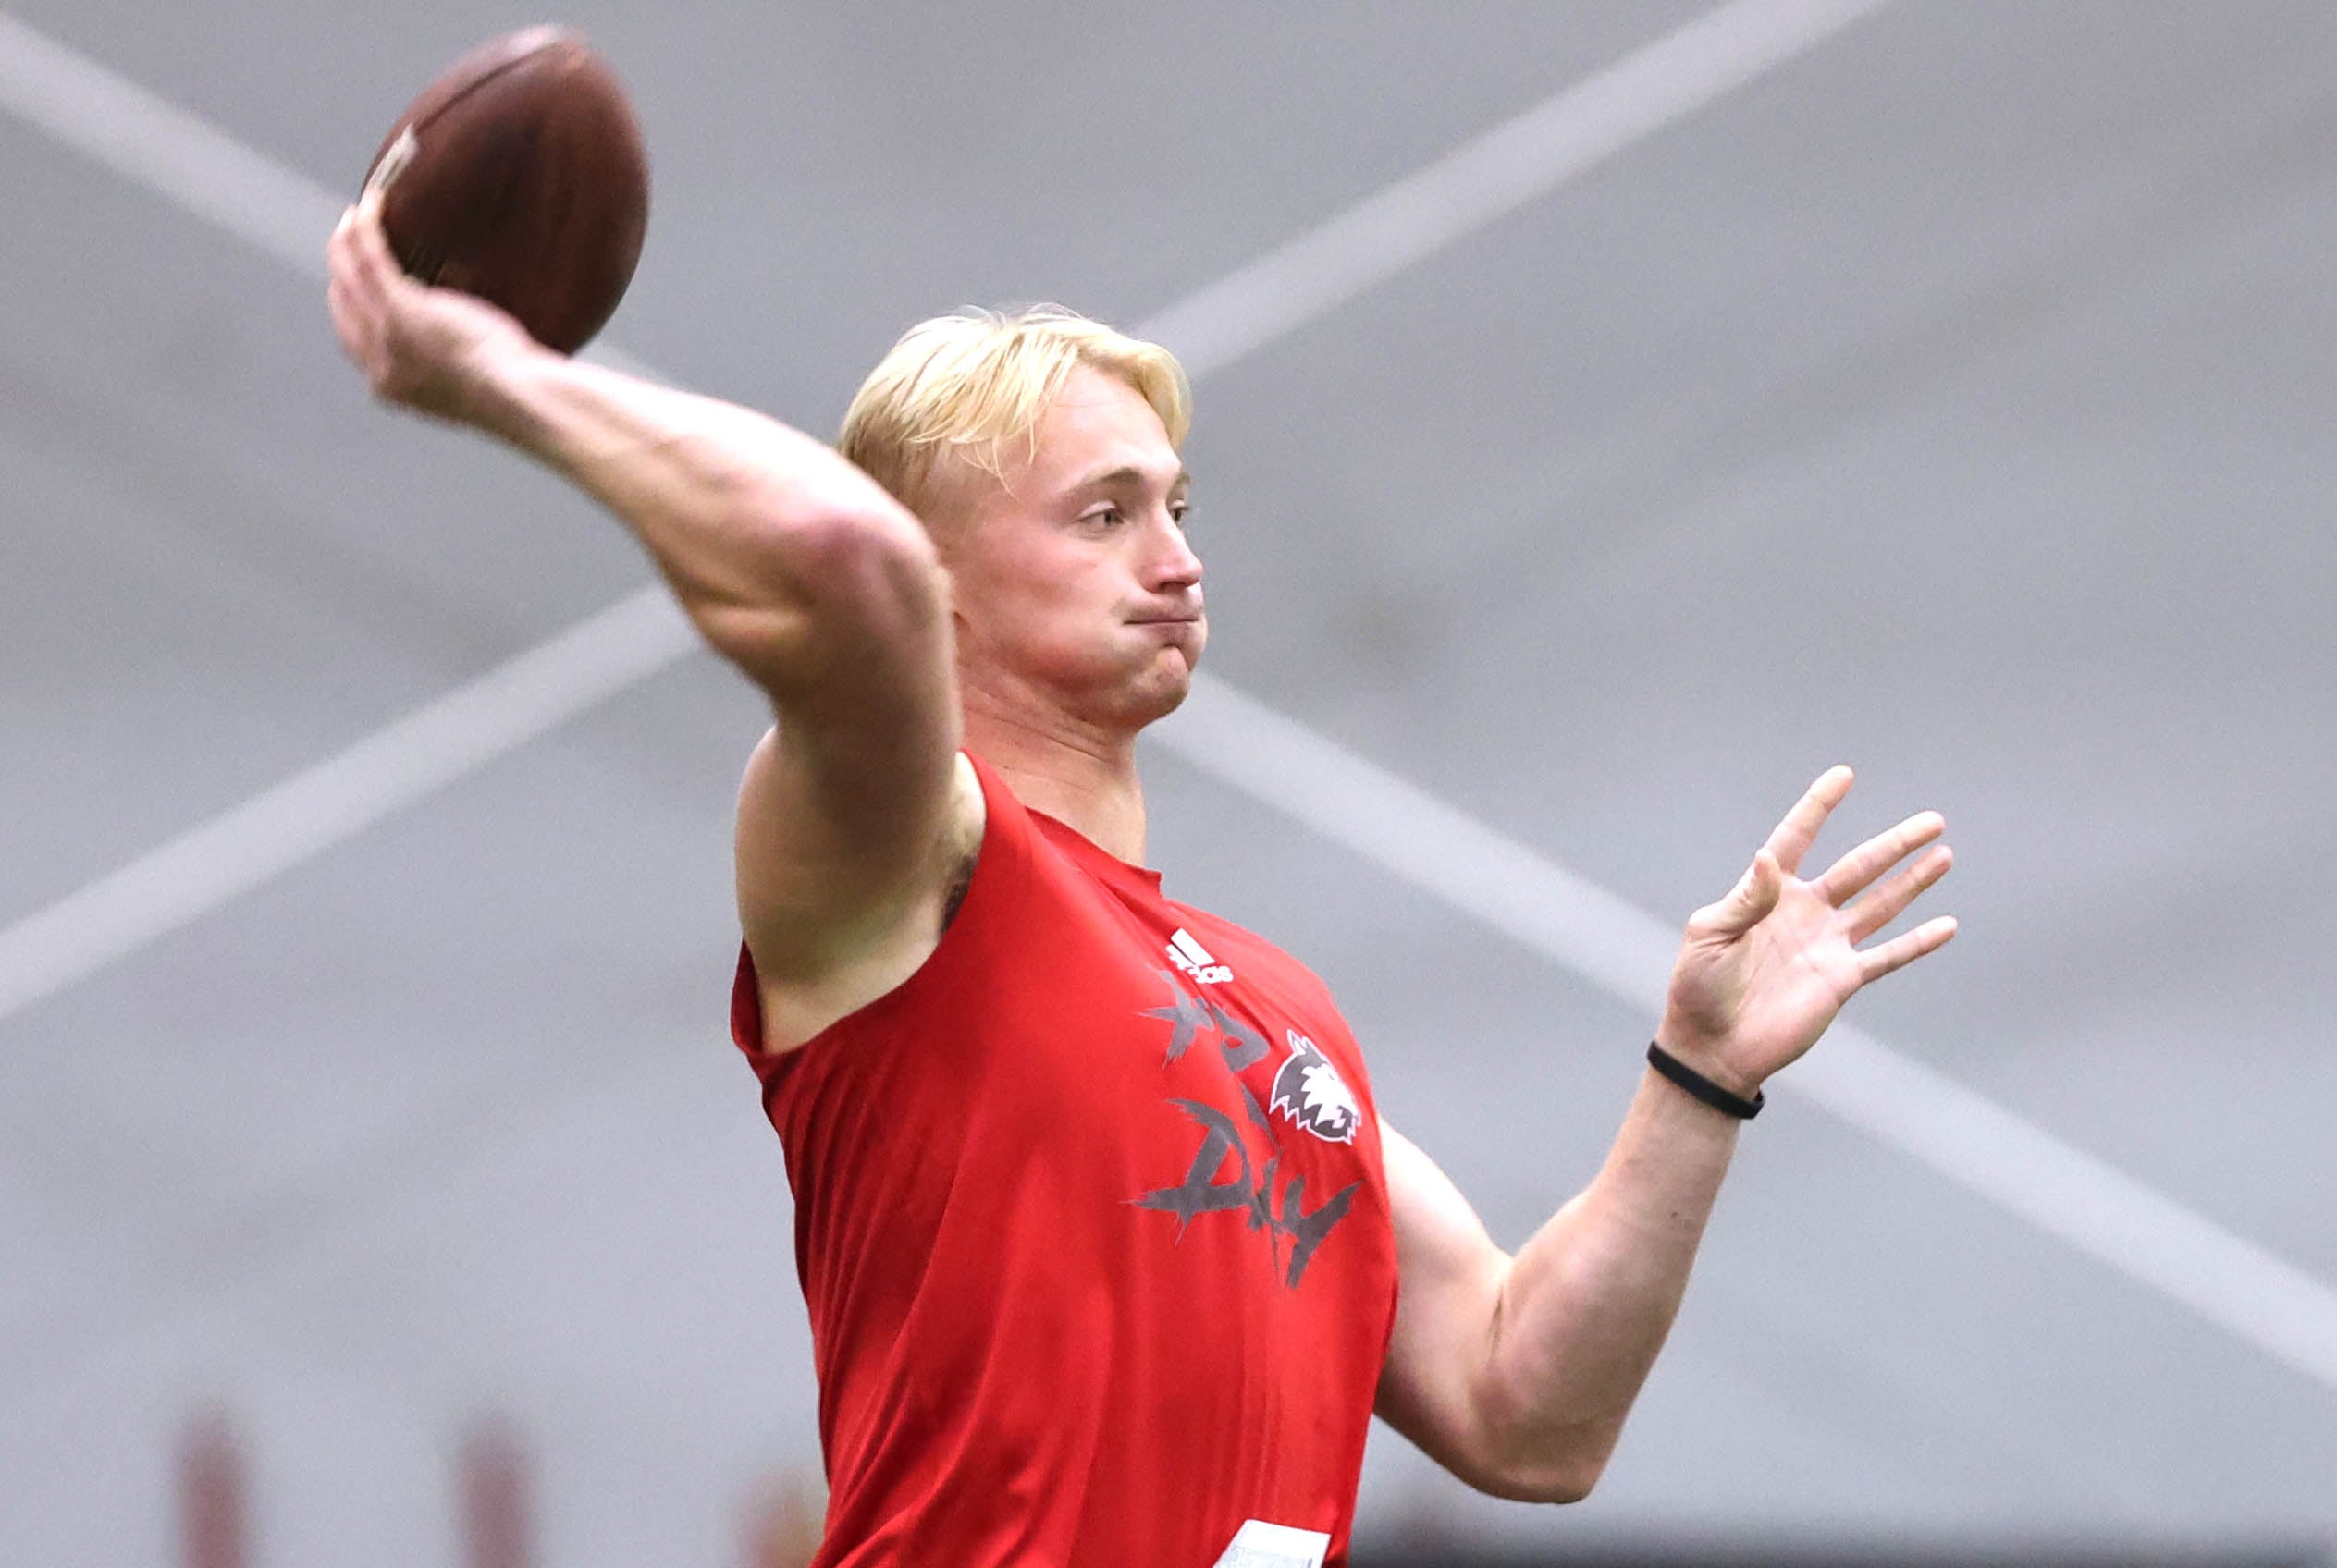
<point>1194,960</point>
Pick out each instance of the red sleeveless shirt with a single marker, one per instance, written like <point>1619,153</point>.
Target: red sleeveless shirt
<point>1092,1225</point>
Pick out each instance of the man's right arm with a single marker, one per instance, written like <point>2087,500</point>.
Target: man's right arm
<point>802,571</point>
<point>794,566</point>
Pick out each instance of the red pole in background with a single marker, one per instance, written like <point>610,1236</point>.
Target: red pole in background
<point>496,1525</point>
<point>494,1477</point>
<point>211,1492</point>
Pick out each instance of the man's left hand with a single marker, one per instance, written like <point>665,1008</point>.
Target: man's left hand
<point>1763,972</point>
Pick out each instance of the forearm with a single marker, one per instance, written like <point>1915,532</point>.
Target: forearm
<point>1586,1304</point>
<point>1517,1372</point>
<point>745,516</point>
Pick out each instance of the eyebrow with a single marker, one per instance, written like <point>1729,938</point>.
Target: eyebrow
<point>1129,474</point>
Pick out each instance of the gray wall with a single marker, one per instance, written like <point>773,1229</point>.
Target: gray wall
<point>1952,400</point>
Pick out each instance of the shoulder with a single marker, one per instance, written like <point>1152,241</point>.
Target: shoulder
<point>1236,947</point>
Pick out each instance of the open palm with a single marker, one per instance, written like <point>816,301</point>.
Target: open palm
<point>1763,972</point>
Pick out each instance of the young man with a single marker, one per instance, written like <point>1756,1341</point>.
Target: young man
<point>1109,1255</point>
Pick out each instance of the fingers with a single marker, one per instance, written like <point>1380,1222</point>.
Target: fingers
<point>1901,951</point>
<point>1750,901</point>
<point>369,244</point>
<point>345,263</point>
<point>356,307</point>
<point>362,291</point>
<point>1850,874</point>
<point>338,263</point>
<point>347,323</point>
<point>1800,829</point>
<point>1887,902</point>
<point>358,253</point>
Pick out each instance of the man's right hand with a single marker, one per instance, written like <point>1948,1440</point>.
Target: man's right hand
<point>425,349</point>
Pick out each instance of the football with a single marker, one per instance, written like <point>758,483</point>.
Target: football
<point>519,175</point>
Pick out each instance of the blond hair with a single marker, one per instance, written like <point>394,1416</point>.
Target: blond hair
<point>966,387</point>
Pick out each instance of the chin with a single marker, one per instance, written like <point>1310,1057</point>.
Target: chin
<point>1155,701</point>
<point>1154,694</point>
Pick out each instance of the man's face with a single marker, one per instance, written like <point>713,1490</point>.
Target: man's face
<point>1074,584</point>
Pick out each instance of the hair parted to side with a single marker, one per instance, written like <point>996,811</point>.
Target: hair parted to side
<point>965,388</point>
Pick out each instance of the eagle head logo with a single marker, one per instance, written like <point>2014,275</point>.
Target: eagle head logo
<point>1308,1090</point>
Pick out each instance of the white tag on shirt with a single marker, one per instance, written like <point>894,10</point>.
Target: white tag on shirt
<point>1260,1545</point>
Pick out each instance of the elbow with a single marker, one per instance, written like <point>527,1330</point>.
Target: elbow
<point>830,528</point>
<point>1551,1479</point>
<point>872,557</point>
<point>831,578</point>
<point>1560,1486</point>
<point>1539,1461</point>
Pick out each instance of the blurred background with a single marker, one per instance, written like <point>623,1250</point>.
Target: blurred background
<point>1938,385</point>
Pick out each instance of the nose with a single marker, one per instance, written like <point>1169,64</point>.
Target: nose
<point>1171,565</point>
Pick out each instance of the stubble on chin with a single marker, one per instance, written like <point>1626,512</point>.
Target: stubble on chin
<point>1154,692</point>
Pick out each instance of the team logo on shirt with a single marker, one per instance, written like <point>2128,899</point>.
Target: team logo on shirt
<point>1308,1090</point>
<point>1239,1166</point>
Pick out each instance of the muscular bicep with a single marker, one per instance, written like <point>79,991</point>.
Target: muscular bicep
<point>1449,1280</point>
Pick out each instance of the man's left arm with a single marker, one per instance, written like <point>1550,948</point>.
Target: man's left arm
<point>1516,1373</point>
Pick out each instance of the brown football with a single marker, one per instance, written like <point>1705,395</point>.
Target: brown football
<point>519,176</point>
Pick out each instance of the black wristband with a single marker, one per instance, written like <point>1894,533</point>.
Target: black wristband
<point>1702,1087</point>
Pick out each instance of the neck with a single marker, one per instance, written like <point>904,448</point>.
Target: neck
<point>1084,778</point>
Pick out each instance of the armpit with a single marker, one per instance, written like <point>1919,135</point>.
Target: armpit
<point>967,824</point>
